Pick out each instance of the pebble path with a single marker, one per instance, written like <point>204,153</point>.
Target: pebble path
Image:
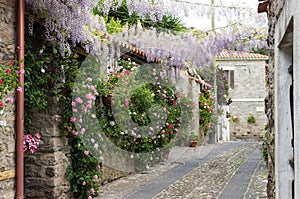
<point>232,170</point>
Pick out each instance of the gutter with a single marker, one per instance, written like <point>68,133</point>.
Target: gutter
<point>20,102</point>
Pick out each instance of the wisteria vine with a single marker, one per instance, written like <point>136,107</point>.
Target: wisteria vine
<point>72,22</point>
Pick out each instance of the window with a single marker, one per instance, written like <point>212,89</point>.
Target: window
<point>229,76</point>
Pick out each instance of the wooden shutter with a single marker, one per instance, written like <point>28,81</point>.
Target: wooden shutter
<point>231,78</point>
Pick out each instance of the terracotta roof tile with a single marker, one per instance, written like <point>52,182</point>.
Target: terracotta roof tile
<point>225,55</point>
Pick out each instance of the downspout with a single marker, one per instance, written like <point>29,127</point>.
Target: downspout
<point>20,102</point>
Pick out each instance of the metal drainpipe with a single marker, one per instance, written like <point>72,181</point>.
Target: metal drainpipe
<point>20,102</point>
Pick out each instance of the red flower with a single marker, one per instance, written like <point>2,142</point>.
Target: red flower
<point>174,103</point>
<point>8,71</point>
<point>1,104</point>
<point>10,63</point>
<point>1,81</point>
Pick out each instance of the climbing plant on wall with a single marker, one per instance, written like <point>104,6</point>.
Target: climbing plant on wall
<point>74,21</point>
<point>96,26</point>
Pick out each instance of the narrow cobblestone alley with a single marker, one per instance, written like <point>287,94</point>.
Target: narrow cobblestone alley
<point>232,170</point>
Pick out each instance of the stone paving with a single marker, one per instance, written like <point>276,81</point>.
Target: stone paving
<point>201,172</point>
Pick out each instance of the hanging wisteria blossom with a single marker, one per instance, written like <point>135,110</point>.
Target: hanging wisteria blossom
<point>72,22</point>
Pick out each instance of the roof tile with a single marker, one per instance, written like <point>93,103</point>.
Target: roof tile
<point>235,55</point>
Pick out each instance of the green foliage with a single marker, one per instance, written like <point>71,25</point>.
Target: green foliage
<point>113,25</point>
<point>84,172</point>
<point>37,81</point>
<point>8,80</point>
<point>265,145</point>
<point>121,15</point>
<point>194,137</point>
<point>48,74</point>
<point>205,108</point>
<point>85,168</point>
<point>146,116</point>
<point>251,119</point>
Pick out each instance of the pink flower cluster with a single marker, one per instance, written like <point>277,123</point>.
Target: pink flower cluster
<point>30,143</point>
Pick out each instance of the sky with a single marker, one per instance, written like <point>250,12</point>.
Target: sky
<point>205,22</point>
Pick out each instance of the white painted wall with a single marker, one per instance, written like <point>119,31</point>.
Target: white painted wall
<point>287,52</point>
<point>296,6</point>
<point>297,97</point>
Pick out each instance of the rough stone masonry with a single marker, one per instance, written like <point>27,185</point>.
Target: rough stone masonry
<point>274,10</point>
<point>7,117</point>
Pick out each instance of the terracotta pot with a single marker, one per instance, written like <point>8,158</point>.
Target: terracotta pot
<point>107,100</point>
<point>167,154</point>
<point>193,144</point>
<point>64,91</point>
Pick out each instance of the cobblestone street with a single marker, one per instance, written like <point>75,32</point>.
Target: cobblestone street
<point>231,170</point>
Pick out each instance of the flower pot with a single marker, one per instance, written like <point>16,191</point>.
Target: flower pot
<point>166,154</point>
<point>193,144</point>
<point>107,100</point>
<point>64,91</point>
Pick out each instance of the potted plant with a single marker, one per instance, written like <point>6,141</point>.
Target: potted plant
<point>105,89</point>
<point>194,140</point>
<point>251,119</point>
<point>235,119</point>
<point>228,115</point>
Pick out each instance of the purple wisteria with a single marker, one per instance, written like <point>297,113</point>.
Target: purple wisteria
<point>72,22</point>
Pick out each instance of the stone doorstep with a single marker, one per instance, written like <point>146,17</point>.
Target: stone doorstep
<point>7,174</point>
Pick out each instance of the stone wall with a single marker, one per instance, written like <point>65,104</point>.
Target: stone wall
<point>247,98</point>
<point>7,29</point>
<point>191,89</point>
<point>241,129</point>
<point>7,132</point>
<point>45,170</point>
<point>274,10</point>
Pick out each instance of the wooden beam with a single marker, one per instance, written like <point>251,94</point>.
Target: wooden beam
<point>7,174</point>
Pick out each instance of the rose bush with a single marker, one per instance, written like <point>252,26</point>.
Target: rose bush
<point>205,108</point>
<point>9,75</point>
<point>145,114</point>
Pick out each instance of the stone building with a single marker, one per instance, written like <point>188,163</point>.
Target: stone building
<point>245,75</point>
<point>282,103</point>
<point>45,170</point>
<point>7,118</point>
